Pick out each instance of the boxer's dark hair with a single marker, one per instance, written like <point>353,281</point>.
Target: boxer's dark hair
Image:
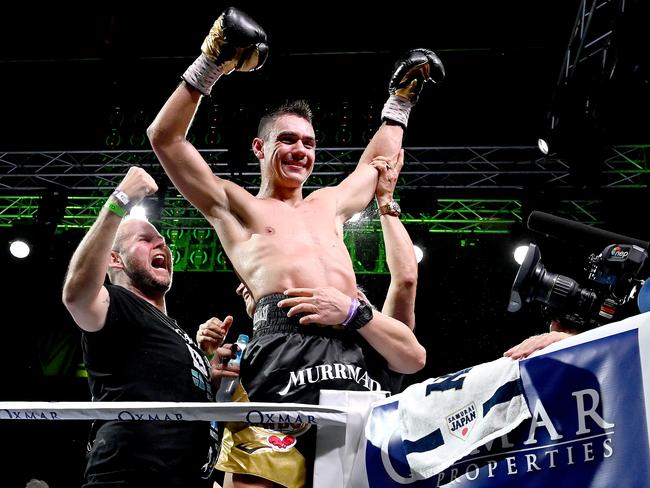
<point>300,108</point>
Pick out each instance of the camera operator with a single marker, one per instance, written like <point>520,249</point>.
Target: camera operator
<point>573,308</point>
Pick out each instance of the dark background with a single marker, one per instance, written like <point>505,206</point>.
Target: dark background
<point>65,66</point>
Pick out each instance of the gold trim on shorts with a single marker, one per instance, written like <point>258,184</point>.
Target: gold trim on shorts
<point>267,453</point>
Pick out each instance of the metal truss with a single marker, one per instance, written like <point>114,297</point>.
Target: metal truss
<point>86,178</point>
<point>458,184</point>
<point>591,38</point>
<point>491,167</point>
<point>589,60</point>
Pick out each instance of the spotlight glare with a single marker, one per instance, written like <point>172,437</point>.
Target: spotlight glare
<point>520,253</point>
<point>542,145</point>
<point>19,249</point>
<point>419,253</point>
<point>138,212</point>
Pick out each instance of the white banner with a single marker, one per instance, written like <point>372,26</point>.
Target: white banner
<point>589,426</point>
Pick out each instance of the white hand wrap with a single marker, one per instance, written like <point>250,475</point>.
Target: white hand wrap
<point>202,74</point>
<point>397,109</point>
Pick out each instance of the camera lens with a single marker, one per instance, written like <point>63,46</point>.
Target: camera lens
<point>555,290</point>
<point>562,293</point>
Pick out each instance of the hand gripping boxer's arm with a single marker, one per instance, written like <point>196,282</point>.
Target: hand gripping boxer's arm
<point>84,294</point>
<point>390,337</point>
<point>400,256</point>
<point>410,74</point>
<point>235,43</point>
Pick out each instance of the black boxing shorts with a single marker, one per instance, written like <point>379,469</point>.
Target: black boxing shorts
<point>289,362</point>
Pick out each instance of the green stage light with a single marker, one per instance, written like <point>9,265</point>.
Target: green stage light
<point>113,139</point>
<point>212,137</point>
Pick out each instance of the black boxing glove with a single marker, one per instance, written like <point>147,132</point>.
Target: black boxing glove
<point>235,43</point>
<point>413,71</point>
<point>409,76</point>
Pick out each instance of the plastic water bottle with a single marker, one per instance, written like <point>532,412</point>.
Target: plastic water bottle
<point>242,342</point>
<point>229,385</point>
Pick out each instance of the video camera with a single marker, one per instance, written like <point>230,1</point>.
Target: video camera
<point>612,274</point>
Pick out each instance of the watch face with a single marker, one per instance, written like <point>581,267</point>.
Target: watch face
<point>391,208</point>
<point>365,311</point>
<point>363,316</point>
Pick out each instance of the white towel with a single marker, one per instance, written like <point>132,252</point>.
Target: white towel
<point>444,419</point>
<point>338,447</point>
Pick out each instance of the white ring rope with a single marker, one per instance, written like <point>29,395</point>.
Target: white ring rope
<point>249,412</point>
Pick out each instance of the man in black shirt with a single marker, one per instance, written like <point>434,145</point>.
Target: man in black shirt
<point>133,351</point>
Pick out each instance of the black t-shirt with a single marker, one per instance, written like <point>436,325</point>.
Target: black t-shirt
<point>142,355</point>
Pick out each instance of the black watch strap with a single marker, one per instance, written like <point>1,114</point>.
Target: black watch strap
<point>362,317</point>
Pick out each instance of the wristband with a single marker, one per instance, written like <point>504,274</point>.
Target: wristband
<point>122,198</point>
<point>202,74</point>
<point>397,109</point>
<point>115,208</point>
<point>351,312</point>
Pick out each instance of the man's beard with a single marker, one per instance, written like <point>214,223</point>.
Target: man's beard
<point>145,281</point>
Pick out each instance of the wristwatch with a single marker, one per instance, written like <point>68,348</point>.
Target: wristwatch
<point>363,316</point>
<point>390,208</point>
<point>122,197</point>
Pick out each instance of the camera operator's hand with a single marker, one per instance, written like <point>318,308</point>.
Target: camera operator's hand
<point>535,343</point>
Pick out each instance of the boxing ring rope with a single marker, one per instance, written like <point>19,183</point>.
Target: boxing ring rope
<point>339,428</point>
<point>249,412</point>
